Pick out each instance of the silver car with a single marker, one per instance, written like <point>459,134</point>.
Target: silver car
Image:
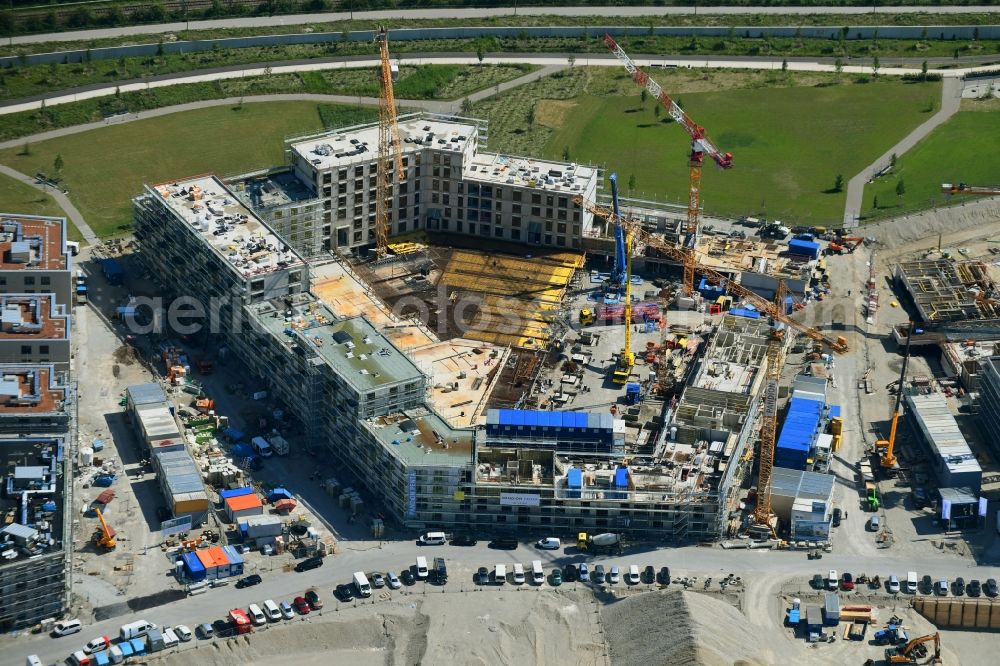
<point>393,580</point>
<point>286,610</point>
<point>614,576</point>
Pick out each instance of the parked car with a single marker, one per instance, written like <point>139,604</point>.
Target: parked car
<point>483,576</point>
<point>301,605</point>
<point>344,593</point>
<point>548,543</point>
<point>556,578</point>
<point>393,580</point>
<point>222,628</point>
<point>97,644</point>
<point>632,577</point>
<point>846,582</point>
<point>286,610</point>
<point>837,515</point>
<point>614,576</point>
<point>66,627</point>
<point>183,633</point>
<point>648,575</point>
<point>598,576</point>
<point>570,574</point>
<point>407,577</point>
<point>584,573</point>
<point>464,540</point>
<point>927,584</point>
<point>817,582</point>
<point>663,576</point>
<point>272,611</point>
<point>504,543</point>
<point>892,586</point>
<point>959,586</point>
<point>941,588</point>
<point>378,581</point>
<point>975,589</point>
<point>309,563</point>
<point>249,581</point>
<point>312,596</point>
<point>831,580</point>
<point>205,631</point>
<point>990,587</point>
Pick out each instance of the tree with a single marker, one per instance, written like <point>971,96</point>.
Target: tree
<point>566,157</point>
<point>159,49</point>
<point>923,71</point>
<point>643,96</point>
<point>656,111</point>
<point>467,106</point>
<point>571,60</point>
<point>838,65</point>
<point>838,183</point>
<point>631,183</point>
<point>784,64</point>
<point>875,65</point>
<point>875,202</point>
<point>480,52</point>
<point>892,160</point>
<point>531,116</point>
<point>25,149</point>
<point>58,164</point>
<point>900,188</point>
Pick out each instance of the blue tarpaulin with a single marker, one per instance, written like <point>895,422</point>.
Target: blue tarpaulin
<point>834,411</point>
<point>621,477</point>
<point>138,646</point>
<point>279,494</point>
<point>235,492</point>
<point>574,478</point>
<point>102,659</point>
<point>126,648</point>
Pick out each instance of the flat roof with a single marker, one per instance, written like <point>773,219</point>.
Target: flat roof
<point>158,421</point>
<point>355,349</point>
<point>142,394</point>
<point>941,430</point>
<point>37,465</point>
<point>30,389</point>
<point>234,231</point>
<point>569,179</point>
<point>422,437</point>
<point>345,147</point>
<point>802,485</point>
<point>29,242</point>
<point>32,316</point>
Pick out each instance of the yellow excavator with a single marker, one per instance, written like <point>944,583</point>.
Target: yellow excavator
<point>104,537</point>
<point>908,654</point>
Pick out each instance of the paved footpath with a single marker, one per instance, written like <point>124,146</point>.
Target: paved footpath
<point>71,211</point>
<point>459,13</point>
<point>951,100</point>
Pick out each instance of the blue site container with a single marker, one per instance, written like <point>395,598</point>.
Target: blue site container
<point>803,248</point>
<point>235,492</point>
<point>193,566</point>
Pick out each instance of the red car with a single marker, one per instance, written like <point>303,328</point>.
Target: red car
<point>847,582</point>
<point>301,605</point>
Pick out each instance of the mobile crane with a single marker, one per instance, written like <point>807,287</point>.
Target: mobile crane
<point>962,188</point>
<point>104,537</point>
<point>888,446</point>
<point>388,146</point>
<point>636,234</point>
<point>700,147</point>
<point>621,271</point>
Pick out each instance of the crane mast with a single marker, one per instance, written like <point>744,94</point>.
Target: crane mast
<point>619,273</point>
<point>769,420</point>
<point>622,276</point>
<point>636,234</point>
<point>700,146</point>
<point>388,146</point>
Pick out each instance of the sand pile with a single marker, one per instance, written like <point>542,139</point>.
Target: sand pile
<point>898,231</point>
<point>678,628</point>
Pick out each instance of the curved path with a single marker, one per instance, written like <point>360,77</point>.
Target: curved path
<point>471,12</point>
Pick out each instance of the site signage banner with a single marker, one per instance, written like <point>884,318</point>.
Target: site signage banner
<point>519,499</point>
<point>176,525</point>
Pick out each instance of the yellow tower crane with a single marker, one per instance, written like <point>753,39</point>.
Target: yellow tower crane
<point>388,147</point>
<point>769,417</point>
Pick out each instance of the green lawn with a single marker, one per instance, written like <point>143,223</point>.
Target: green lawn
<point>104,168</point>
<point>16,197</point>
<point>966,149</point>
<point>789,143</point>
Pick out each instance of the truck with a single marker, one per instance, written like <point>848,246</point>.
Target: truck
<point>113,271</point>
<point>279,444</point>
<point>81,287</point>
<point>871,496</point>
<point>606,541</point>
<point>239,621</point>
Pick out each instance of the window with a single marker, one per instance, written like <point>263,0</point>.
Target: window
<point>446,199</point>
<point>548,239</point>
<point>296,276</point>
<point>560,241</point>
<point>435,198</point>
<point>563,202</point>
<point>359,171</point>
<point>536,198</point>
<point>549,199</point>
<point>515,234</point>
<point>517,195</point>
<point>560,214</point>
<point>327,178</point>
<point>472,227</point>
<point>357,236</point>
<point>498,232</point>
<point>402,226</point>
<point>516,209</point>
<point>403,188</point>
<point>46,280</point>
<point>536,211</point>
<point>342,174</point>
<point>25,350</point>
<point>515,222</point>
<point>548,225</point>
<point>484,229</point>
<point>29,280</point>
<point>561,228</point>
<point>257,285</point>
<point>43,349</point>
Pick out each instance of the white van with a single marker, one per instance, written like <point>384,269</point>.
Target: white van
<point>256,615</point>
<point>66,627</point>
<point>518,574</point>
<point>135,629</point>
<point>33,660</point>
<point>633,575</point>
<point>500,574</point>
<point>433,539</point>
<point>272,611</point>
<point>363,587</point>
<point>421,568</point>
<point>261,446</point>
<point>537,573</point>
<point>911,582</point>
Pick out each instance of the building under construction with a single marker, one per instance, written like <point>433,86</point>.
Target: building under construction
<point>949,294</point>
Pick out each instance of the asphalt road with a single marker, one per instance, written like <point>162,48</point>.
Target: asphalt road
<point>458,13</point>
<point>753,566</point>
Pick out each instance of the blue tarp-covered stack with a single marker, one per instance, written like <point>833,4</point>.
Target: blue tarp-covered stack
<point>548,427</point>
<point>798,432</point>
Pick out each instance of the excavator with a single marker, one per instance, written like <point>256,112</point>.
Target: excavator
<point>104,537</point>
<point>911,652</point>
<point>844,244</point>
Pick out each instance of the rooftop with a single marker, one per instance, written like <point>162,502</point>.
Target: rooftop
<point>354,348</point>
<point>24,316</point>
<point>502,169</point>
<point>32,497</point>
<point>941,430</point>
<point>734,356</point>
<point>30,390</point>
<point>422,437</point>
<point>344,147</point>
<point>270,189</point>
<point>801,484</point>
<point>248,245</point>
<point>33,243</point>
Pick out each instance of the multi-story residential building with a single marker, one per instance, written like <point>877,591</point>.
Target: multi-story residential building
<point>35,398</point>
<point>989,401</point>
<point>448,184</point>
<point>35,257</point>
<point>34,328</point>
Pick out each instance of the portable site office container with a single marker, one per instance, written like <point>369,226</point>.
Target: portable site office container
<point>193,568</point>
<point>831,608</point>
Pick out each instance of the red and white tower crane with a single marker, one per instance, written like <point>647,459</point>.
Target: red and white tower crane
<point>700,147</point>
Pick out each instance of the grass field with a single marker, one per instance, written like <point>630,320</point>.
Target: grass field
<point>966,149</point>
<point>789,142</point>
<point>102,177</point>
<point>16,197</point>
